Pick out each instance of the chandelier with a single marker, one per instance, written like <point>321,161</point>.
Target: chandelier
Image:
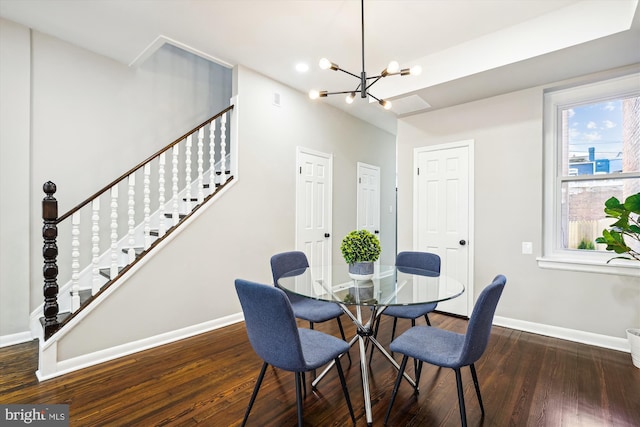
<point>365,82</point>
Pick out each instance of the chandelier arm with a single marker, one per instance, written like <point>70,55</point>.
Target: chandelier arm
<point>340,93</point>
<point>347,72</point>
<point>377,99</point>
<point>373,82</point>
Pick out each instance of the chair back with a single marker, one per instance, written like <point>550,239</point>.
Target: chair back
<point>271,326</point>
<point>285,262</point>
<point>479,329</point>
<point>408,260</point>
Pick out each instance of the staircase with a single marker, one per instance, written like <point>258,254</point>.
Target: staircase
<point>105,237</point>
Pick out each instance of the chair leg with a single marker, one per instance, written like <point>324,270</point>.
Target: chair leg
<point>418,373</point>
<point>255,392</point>
<point>415,361</point>
<point>314,371</point>
<point>299,397</point>
<point>427,319</point>
<point>304,384</point>
<point>475,382</point>
<point>344,388</point>
<point>403,365</point>
<point>463,413</point>
<point>342,335</point>
<point>393,331</point>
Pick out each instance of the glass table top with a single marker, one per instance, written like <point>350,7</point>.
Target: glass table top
<point>389,285</point>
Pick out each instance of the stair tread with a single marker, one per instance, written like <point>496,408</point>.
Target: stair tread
<point>138,250</point>
<point>106,272</point>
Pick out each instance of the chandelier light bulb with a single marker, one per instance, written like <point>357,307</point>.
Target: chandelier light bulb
<point>393,67</point>
<point>349,98</point>
<point>325,64</point>
<point>416,70</point>
<point>314,94</point>
<point>385,104</point>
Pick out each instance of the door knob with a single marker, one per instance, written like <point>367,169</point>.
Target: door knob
<point>463,242</point>
<point>327,235</point>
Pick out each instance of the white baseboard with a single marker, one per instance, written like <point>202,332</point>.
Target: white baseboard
<point>13,339</point>
<point>84,361</point>
<point>605,341</point>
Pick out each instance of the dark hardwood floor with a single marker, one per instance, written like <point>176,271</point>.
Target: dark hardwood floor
<point>526,380</point>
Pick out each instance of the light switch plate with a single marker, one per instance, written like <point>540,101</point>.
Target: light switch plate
<point>527,248</point>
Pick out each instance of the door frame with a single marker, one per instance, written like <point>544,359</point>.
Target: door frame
<point>469,144</point>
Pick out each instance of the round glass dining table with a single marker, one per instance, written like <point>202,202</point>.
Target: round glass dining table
<point>389,285</point>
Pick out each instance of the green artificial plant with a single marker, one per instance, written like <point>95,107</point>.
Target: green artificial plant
<point>360,246</point>
<point>626,227</point>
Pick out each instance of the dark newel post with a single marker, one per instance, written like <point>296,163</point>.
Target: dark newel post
<point>50,253</point>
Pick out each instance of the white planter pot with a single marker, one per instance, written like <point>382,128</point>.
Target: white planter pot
<point>361,270</point>
<point>633,335</point>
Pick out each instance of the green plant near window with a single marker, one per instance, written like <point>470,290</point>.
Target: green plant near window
<point>587,245</point>
<point>360,246</point>
<point>625,230</point>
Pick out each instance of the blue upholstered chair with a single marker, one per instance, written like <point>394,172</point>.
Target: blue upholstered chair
<point>405,261</point>
<point>276,338</point>
<point>450,349</point>
<point>307,309</point>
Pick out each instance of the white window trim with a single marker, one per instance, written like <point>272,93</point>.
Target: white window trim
<point>553,256</point>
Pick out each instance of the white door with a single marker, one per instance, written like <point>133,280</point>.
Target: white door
<point>443,204</point>
<point>313,209</point>
<point>369,198</point>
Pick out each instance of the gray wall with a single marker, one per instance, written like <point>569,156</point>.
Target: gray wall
<point>508,207</point>
<point>15,184</point>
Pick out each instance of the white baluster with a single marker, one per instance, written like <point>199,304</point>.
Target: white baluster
<point>223,148</point>
<point>200,164</point>
<point>174,180</point>
<point>132,217</point>
<point>75,261</point>
<point>113,271</point>
<point>187,172</point>
<point>212,156</point>
<point>161,224</point>
<point>147,206</point>
<point>95,250</point>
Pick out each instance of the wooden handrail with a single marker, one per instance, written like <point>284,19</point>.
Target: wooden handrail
<point>138,166</point>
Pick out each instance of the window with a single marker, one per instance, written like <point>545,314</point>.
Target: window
<point>592,152</point>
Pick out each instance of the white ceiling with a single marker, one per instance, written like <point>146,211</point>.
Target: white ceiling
<point>468,49</point>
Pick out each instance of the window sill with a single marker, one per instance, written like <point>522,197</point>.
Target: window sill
<point>617,267</point>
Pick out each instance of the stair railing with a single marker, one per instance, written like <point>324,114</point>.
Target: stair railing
<point>131,240</point>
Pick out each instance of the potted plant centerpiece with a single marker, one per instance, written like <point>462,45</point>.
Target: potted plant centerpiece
<point>360,250</point>
<point>623,237</point>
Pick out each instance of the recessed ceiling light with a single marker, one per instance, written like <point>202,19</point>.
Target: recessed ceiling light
<point>302,67</point>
